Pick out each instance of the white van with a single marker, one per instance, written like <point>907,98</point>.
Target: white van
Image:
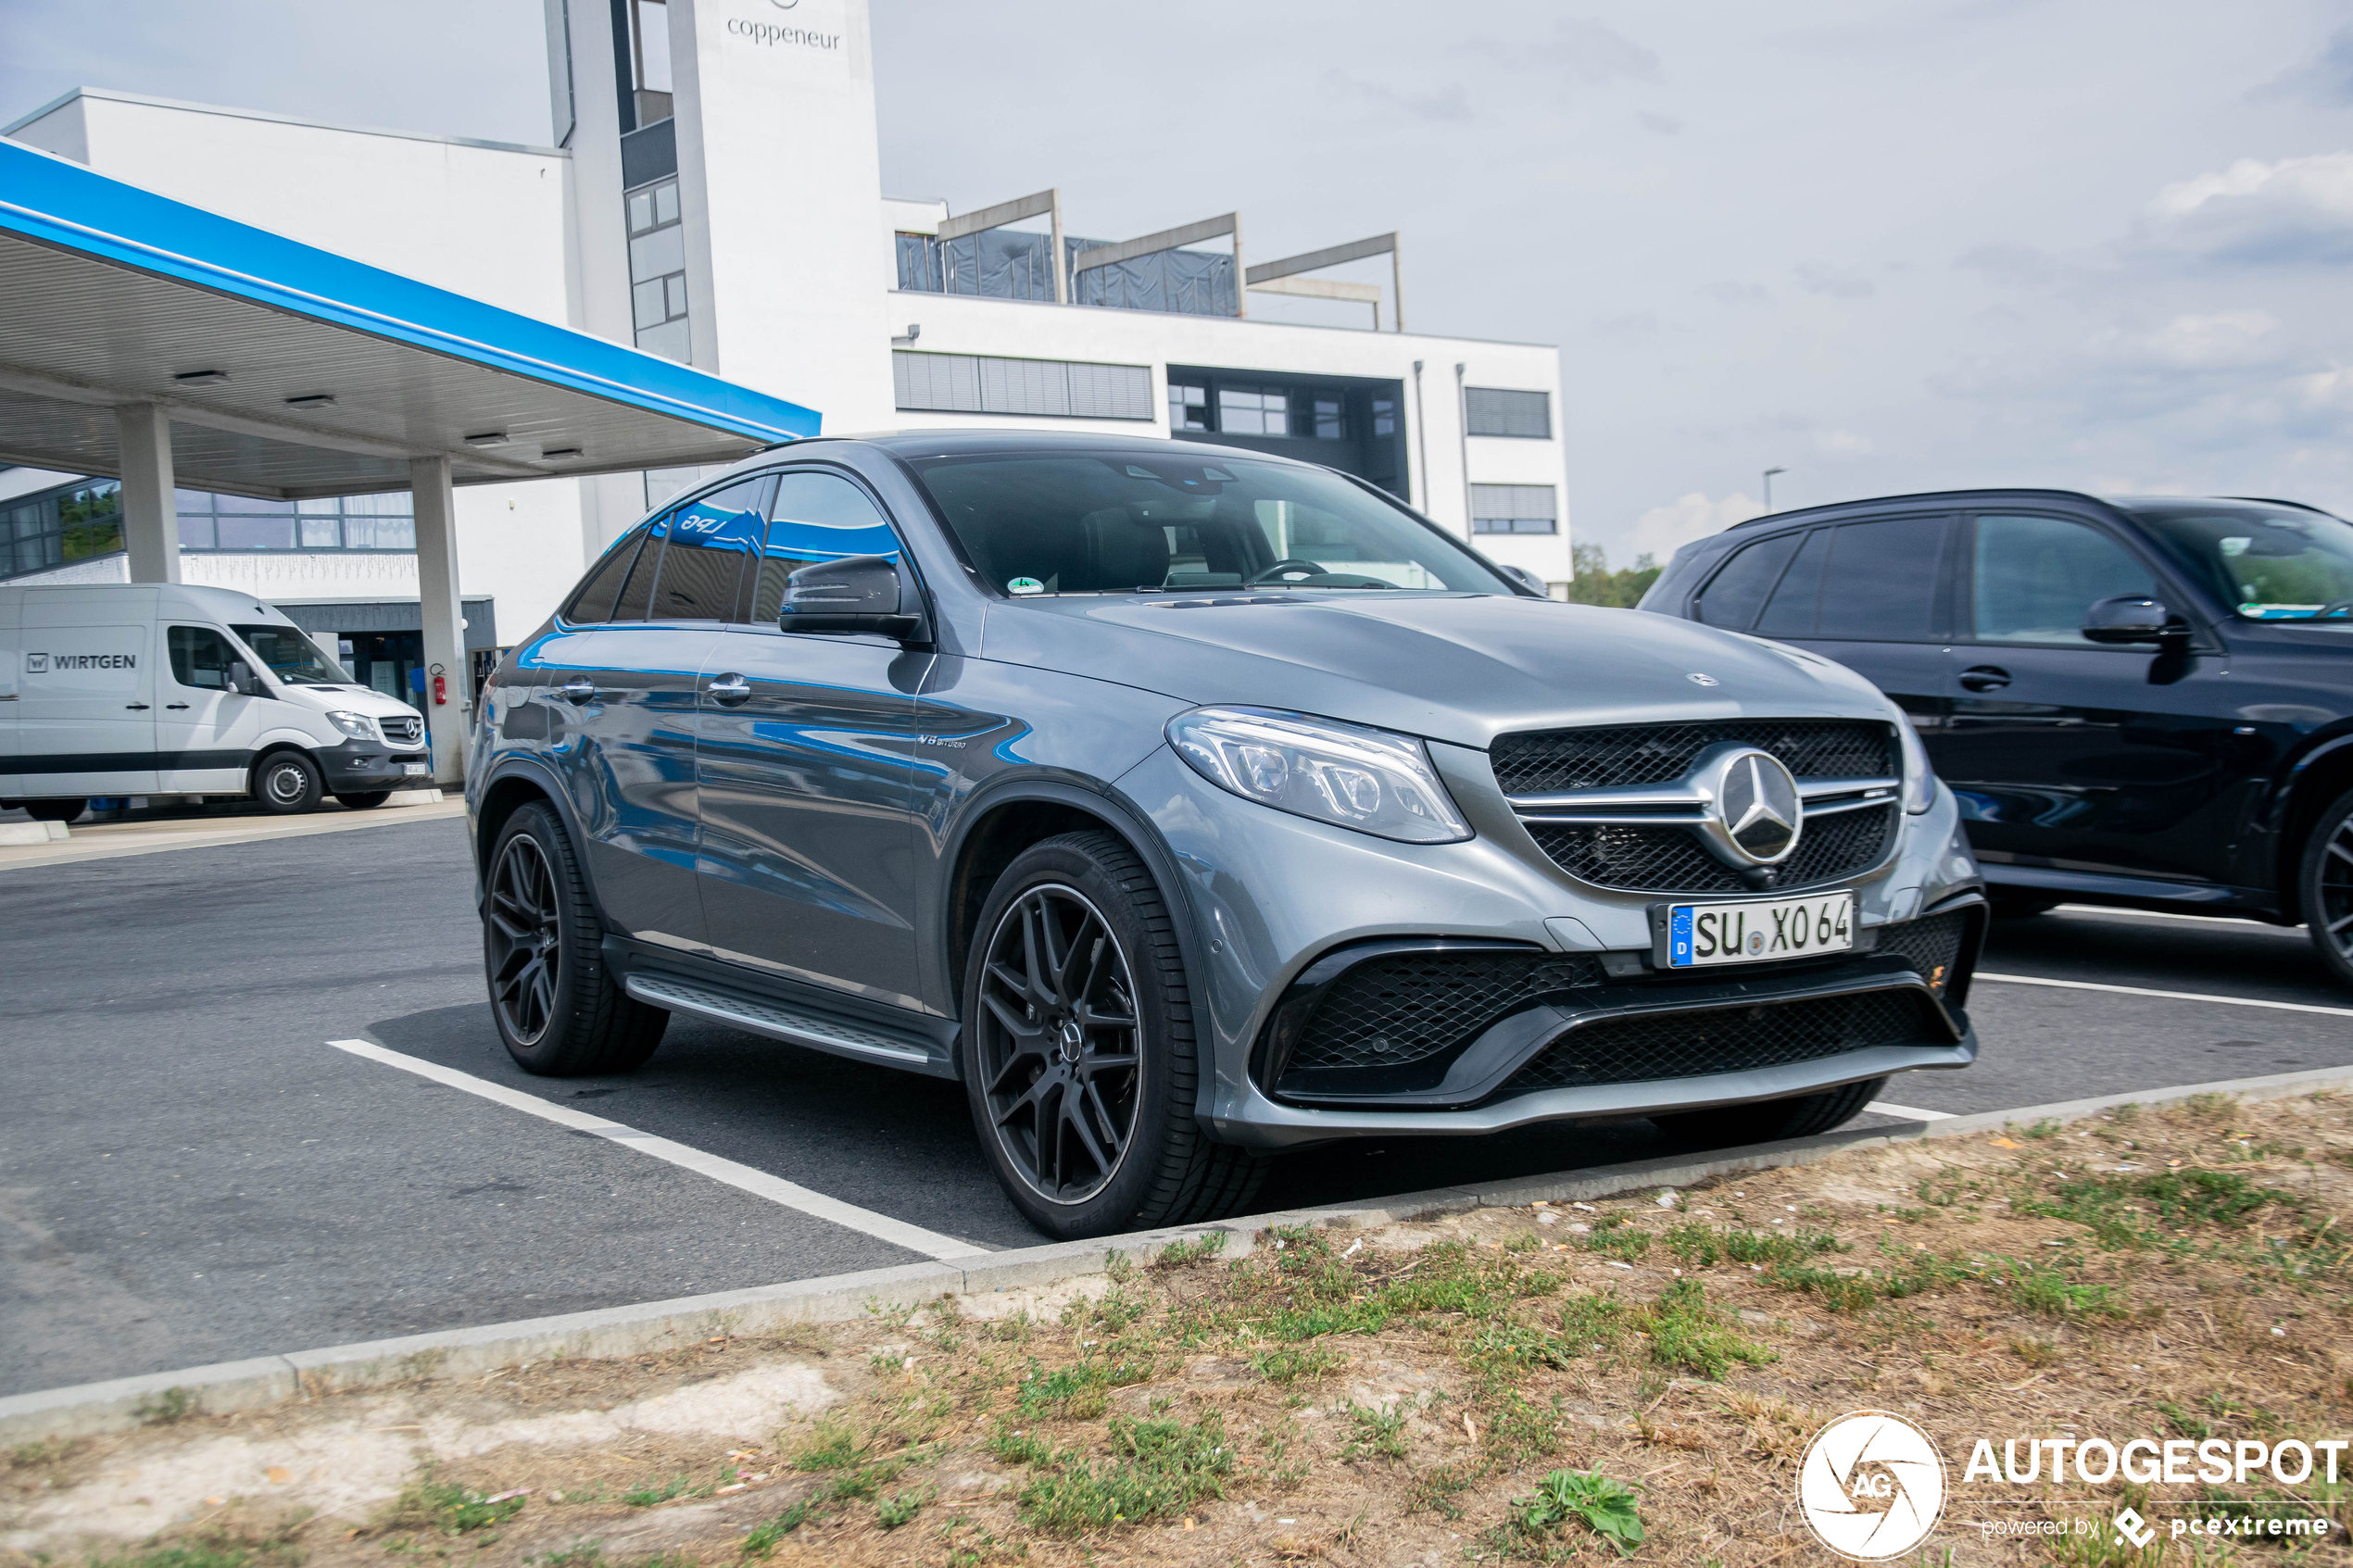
<point>148,689</point>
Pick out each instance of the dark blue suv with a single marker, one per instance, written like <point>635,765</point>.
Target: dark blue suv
<point>2144,702</point>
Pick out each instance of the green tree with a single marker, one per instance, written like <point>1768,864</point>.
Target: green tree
<point>1595,583</point>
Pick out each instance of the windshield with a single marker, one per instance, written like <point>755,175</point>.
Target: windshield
<point>292,657</point>
<point>1072,523</point>
<point>2269,563</point>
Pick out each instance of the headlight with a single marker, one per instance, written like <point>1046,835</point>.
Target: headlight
<point>1369,779</point>
<point>353,725</point>
<point>1920,779</point>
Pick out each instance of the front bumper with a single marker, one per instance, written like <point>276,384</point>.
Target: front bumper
<point>359,767</point>
<point>1271,894</point>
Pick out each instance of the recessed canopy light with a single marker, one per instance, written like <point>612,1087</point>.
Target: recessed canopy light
<point>312,400</point>
<point>562,452</point>
<point>200,377</point>
<point>487,438</point>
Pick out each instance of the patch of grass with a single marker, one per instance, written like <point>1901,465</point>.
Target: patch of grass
<point>2051,1293</point>
<point>1433,1490</point>
<point>1157,1469</point>
<point>1289,1364</point>
<point>1687,1332</point>
<point>891,1512</point>
<point>1609,1508</point>
<point>651,1494</point>
<point>48,1451</point>
<point>1190,1253</point>
<point>2045,1128</point>
<point>1080,1390</point>
<point>1019,1448</point>
<point>2035,1352</point>
<point>168,1409</point>
<point>1621,1241</point>
<point>428,1504</point>
<point>832,1447</point>
<point>580,1554</point>
<point>1379,1433</point>
<point>198,1555</point>
<point>1704,1247</point>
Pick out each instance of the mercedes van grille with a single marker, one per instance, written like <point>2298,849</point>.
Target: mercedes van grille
<point>404,729</point>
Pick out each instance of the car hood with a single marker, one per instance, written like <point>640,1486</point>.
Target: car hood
<point>1459,668</point>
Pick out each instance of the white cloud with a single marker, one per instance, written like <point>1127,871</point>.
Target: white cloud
<point>1842,443</point>
<point>2219,340</point>
<point>1662,530</point>
<point>2297,209</point>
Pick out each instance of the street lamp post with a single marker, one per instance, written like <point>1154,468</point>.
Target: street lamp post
<point>1768,486</point>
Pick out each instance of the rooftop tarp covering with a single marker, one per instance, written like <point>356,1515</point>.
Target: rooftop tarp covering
<point>110,293</point>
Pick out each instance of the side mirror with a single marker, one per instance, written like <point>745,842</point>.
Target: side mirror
<point>855,594</point>
<point>1520,577</point>
<point>2130,619</point>
<point>241,679</point>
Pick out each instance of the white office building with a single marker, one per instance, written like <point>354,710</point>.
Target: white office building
<point>713,194</point>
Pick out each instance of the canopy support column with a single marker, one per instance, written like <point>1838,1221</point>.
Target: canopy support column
<point>445,622</point>
<point>150,521</point>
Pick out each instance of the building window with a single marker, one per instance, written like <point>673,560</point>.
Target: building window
<point>1252,410</point>
<point>384,522</point>
<point>658,271</point>
<point>1492,412</point>
<point>977,384</point>
<point>1188,407</point>
<point>57,527</point>
<point>1515,509</point>
<point>650,43</point>
<point>1330,423</point>
<point>1384,416</point>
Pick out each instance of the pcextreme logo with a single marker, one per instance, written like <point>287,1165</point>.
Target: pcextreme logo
<point>1871,1486</point>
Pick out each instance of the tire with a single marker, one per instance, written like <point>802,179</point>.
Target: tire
<point>560,1010</point>
<point>2324,888</point>
<point>2020,905</point>
<point>1770,1121</point>
<point>287,783</point>
<point>363,800</point>
<point>54,811</point>
<point>1061,1058</point>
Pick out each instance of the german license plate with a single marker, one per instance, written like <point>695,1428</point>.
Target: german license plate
<point>416,770</point>
<point>1700,935</point>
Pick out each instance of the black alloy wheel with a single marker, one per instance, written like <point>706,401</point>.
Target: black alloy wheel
<point>288,783</point>
<point>1079,1053</point>
<point>523,940</point>
<point>1060,1052</point>
<point>559,1010</point>
<point>2326,886</point>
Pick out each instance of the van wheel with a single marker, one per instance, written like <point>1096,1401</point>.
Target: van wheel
<point>560,1010</point>
<point>288,783</point>
<point>54,811</point>
<point>1799,1116</point>
<point>1080,1061</point>
<point>364,800</point>
<point>2325,887</point>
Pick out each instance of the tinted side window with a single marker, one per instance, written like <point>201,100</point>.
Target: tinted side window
<point>200,659</point>
<point>1880,583</point>
<point>815,515</point>
<point>2032,578</point>
<point>1735,595</point>
<point>712,539</point>
<point>594,601</point>
<point>1789,612</point>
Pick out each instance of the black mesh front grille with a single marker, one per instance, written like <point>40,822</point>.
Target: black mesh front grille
<point>1930,946</point>
<point>1692,1045</point>
<point>1404,1008</point>
<point>1672,860</point>
<point>1544,761</point>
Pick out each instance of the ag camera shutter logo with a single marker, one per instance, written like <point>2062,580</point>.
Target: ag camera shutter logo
<point>1871,1486</point>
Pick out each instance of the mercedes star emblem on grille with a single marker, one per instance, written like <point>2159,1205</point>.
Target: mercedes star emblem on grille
<point>1754,810</point>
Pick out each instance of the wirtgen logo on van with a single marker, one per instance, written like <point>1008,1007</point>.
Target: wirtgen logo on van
<point>36,664</point>
<point>39,664</point>
<point>1871,1486</point>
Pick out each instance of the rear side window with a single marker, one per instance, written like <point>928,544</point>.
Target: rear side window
<point>637,593</point>
<point>200,659</point>
<point>1733,595</point>
<point>594,602</point>
<point>1789,612</point>
<point>815,517</point>
<point>1879,584</point>
<point>712,541</point>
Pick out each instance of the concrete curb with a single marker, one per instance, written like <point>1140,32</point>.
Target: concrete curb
<point>92,1407</point>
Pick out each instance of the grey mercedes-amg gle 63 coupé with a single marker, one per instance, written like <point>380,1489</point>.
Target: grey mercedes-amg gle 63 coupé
<point>1189,806</point>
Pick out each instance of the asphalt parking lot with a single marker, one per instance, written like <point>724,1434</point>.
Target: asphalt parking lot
<point>190,1171</point>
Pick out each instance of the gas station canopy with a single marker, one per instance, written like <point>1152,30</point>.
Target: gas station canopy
<point>286,371</point>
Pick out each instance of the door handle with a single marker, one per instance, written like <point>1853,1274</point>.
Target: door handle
<point>1986,678</point>
<point>730,689</point>
<point>577,692</point>
<point>169,705</point>
<point>136,707</point>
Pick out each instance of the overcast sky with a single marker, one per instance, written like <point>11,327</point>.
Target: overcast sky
<point>1886,247</point>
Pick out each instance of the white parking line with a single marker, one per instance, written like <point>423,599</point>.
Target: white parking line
<point>1910,1114</point>
<point>2167,995</point>
<point>760,1184</point>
